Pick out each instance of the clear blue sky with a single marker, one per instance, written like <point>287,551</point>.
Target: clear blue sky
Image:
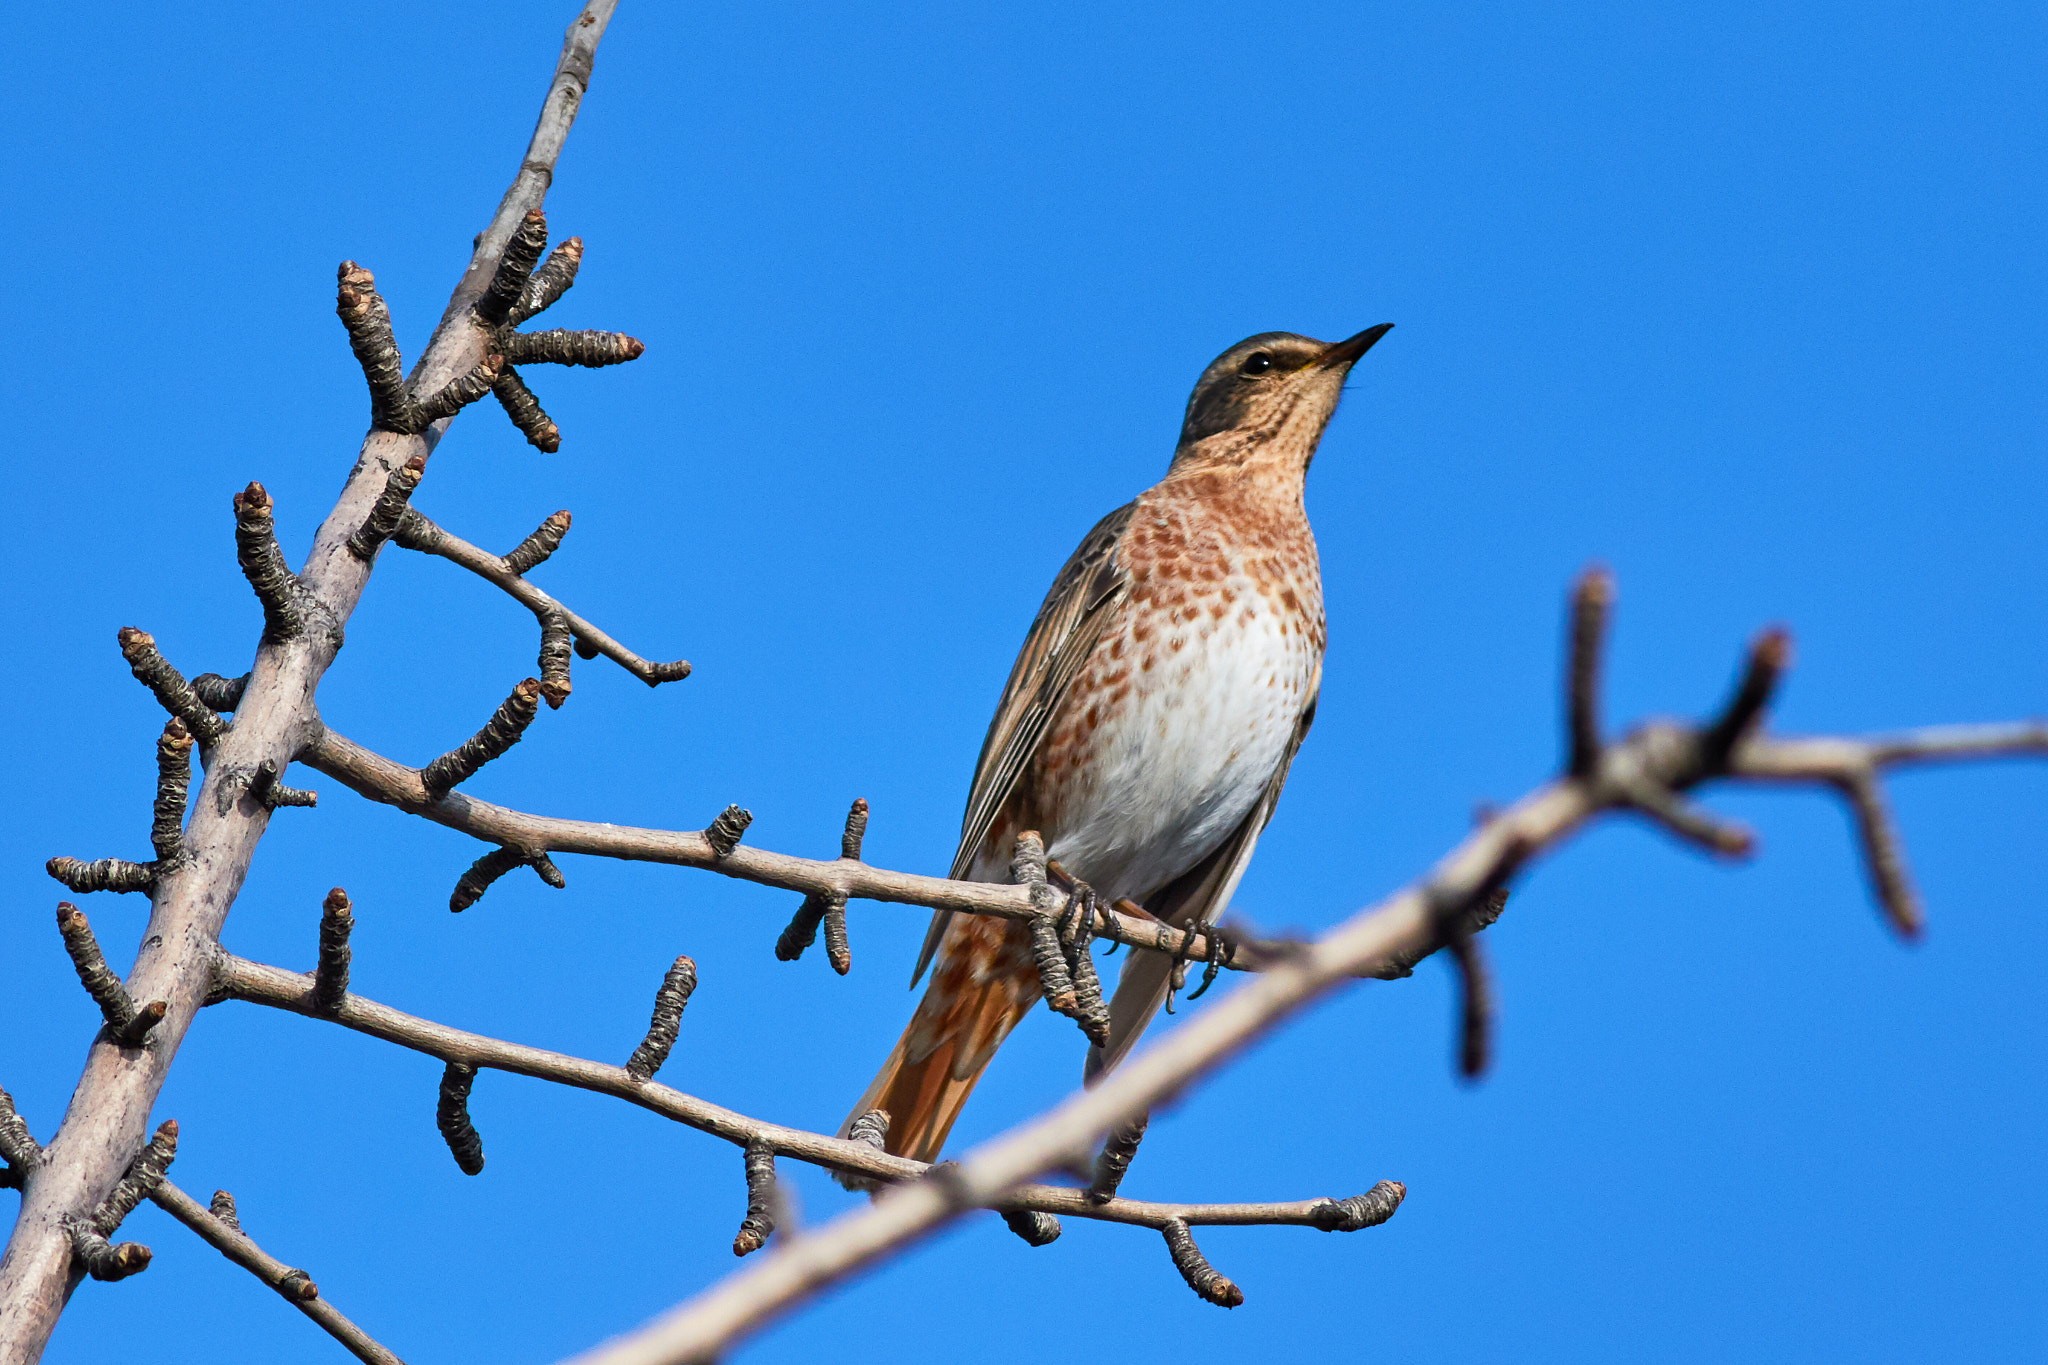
<point>1746,302</point>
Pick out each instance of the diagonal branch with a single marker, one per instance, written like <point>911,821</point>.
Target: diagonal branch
<point>256,983</point>
<point>222,1230</point>
<point>1413,920</point>
<point>418,533</point>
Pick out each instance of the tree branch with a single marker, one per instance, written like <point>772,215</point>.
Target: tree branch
<point>418,533</point>
<point>222,1230</point>
<point>109,1110</point>
<point>1671,757</point>
<point>256,983</point>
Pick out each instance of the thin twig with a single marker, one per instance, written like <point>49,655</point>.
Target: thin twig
<point>859,1155</point>
<point>222,1230</point>
<point>418,533</point>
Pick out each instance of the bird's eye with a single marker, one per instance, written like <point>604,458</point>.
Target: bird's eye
<point>1258,362</point>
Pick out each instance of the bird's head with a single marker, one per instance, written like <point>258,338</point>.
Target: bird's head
<point>1268,397</point>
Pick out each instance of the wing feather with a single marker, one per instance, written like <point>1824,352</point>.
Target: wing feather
<point>1084,595</point>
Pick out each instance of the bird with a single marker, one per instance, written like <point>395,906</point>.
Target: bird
<point>1148,724</point>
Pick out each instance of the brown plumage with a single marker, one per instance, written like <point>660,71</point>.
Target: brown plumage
<point>1148,723</point>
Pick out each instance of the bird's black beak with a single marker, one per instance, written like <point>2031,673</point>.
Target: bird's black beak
<point>1347,351</point>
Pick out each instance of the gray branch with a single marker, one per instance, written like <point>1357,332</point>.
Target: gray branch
<point>222,1230</point>
<point>275,718</point>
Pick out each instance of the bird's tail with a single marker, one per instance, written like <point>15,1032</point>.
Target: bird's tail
<point>982,984</point>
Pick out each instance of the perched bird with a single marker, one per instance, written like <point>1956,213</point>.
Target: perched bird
<point>1148,723</point>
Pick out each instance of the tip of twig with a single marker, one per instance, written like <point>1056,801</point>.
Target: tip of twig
<point>1594,586</point>
<point>555,691</point>
<point>634,348</point>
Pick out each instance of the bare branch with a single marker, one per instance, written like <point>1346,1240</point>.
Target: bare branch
<point>418,533</point>
<point>859,1156</point>
<point>222,1230</point>
<point>109,1108</point>
<point>1410,922</point>
<point>381,779</point>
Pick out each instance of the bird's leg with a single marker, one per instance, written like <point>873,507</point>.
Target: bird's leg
<point>1076,931</point>
<point>1222,949</point>
<point>1178,981</point>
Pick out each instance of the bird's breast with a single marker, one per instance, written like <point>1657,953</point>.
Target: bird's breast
<point>1189,702</point>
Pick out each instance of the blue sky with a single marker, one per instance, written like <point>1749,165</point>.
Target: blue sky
<point>1747,304</point>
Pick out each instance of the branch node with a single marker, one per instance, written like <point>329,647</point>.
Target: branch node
<point>144,1174</point>
<point>1366,1210</point>
<point>1592,595</point>
<point>1037,1229</point>
<point>223,1208</point>
<point>389,509</point>
<point>222,694</point>
<point>98,979</point>
<point>759,1224</point>
<point>1770,654</point>
<point>1884,859</point>
<point>1475,1010</point>
<point>533,551</point>
<point>515,269</point>
<point>1202,1277</point>
<point>503,730</point>
<point>526,413</point>
<point>330,975</point>
<point>362,311</point>
<point>256,549</point>
<point>724,833</point>
<point>172,691</point>
<point>555,641</point>
<point>173,783</point>
<point>662,1029</point>
<point>102,874</point>
<point>1115,1159</point>
<point>451,1116</point>
<point>18,1147</point>
<point>556,274</point>
<point>471,885</point>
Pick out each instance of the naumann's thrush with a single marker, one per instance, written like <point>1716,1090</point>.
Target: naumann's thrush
<point>1148,722</point>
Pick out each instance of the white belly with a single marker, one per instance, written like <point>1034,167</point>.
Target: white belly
<point>1178,762</point>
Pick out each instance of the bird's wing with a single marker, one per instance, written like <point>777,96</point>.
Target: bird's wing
<point>1069,622</point>
<point>1198,897</point>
